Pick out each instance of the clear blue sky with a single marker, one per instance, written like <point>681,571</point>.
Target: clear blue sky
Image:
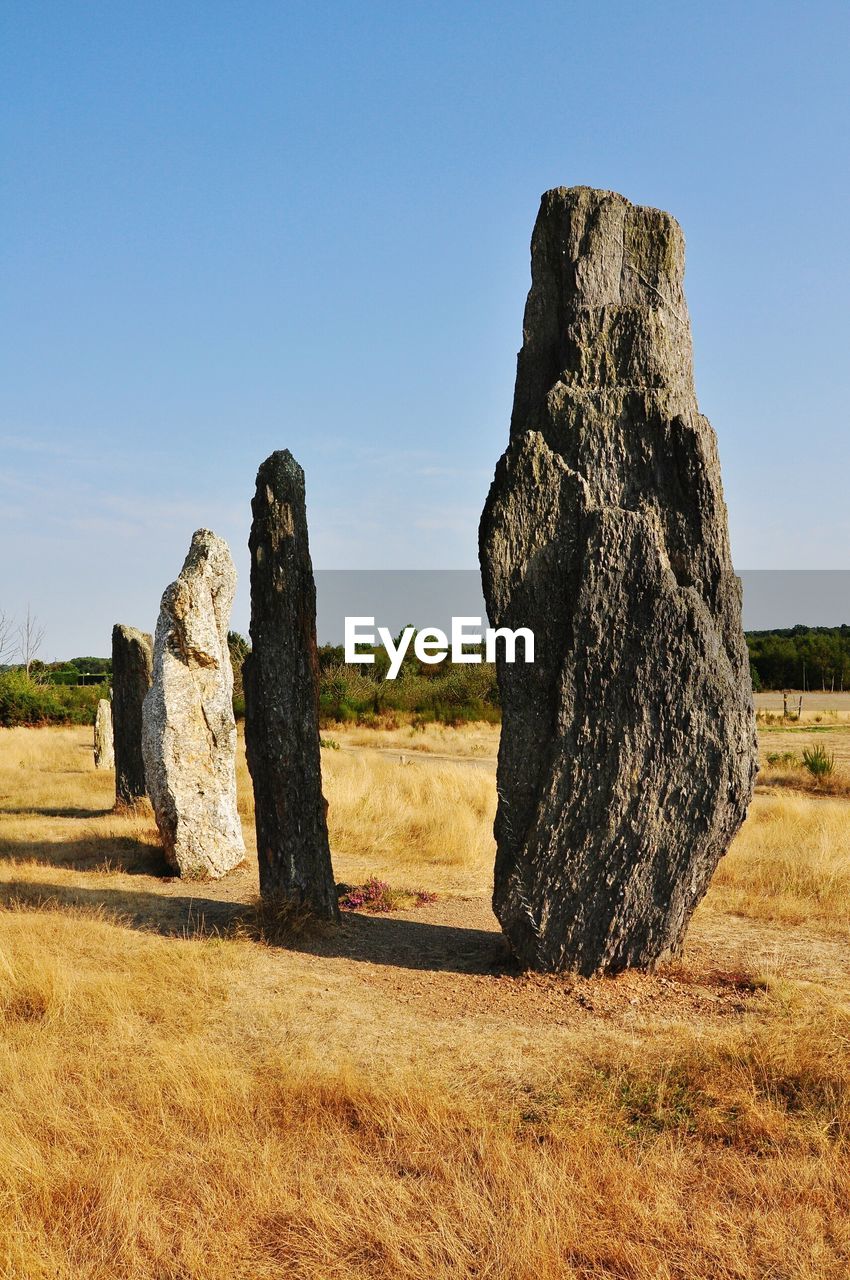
<point>234,228</point>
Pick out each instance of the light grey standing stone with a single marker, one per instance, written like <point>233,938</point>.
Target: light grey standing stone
<point>188,730</point>
<point>104,751</point>
<point>627,755</point>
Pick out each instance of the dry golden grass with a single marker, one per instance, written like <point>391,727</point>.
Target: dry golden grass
<point>791,774</point>
<point>417,821</point>
<point>790,862</point>
<point>420,820</point>
<point>208,1108</point>
<point>476,740</point>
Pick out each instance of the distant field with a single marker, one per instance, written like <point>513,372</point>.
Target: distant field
<point>815,703</point>
<point>479,743</point>
<point>825,722</point>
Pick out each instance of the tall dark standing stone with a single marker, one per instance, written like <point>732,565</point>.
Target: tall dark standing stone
<point>628,748</point>
<point>131,677</point>
<point>281,677</point>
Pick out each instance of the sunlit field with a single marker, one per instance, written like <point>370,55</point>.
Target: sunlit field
<point>477,741</point>
<point>184,1100</point>
<point>820,706</point>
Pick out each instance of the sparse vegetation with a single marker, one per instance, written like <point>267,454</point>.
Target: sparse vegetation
<point>786,759</point>
<point>822,736</point>
<point>378,896</point>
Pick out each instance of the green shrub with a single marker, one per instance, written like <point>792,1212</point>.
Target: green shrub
<point>446,693</point>
<point>820,763</point>
<point>25,701</point>
<point>79,704</point>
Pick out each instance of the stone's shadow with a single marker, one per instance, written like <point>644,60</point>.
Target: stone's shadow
<point>50,812</point>
<point>116,853</point>
<point>412,944</point>
<point>380,940</point>
<point>170,916</point>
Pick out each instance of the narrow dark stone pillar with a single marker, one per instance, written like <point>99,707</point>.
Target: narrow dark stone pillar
<point>281,677</point>
<point>131,677</point>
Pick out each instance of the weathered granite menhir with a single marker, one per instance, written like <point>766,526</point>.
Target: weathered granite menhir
<point>628,754</point>
<point>189,733</point>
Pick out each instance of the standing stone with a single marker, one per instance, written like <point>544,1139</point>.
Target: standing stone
<point>104,754</point>
<point>628,754</point>
<point>281,678</point>
<point>131,679</point>
<point>189,734</point>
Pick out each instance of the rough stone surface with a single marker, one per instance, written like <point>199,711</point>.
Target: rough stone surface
<point>281,680</point>
<point>189,734</point>
<point>104,754</point>
<point>131,678</point>
<point>627,756</point>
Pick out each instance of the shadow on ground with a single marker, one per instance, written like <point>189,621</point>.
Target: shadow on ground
<point>383,940</point>
<point>34,811</point>
<point>98,853</point>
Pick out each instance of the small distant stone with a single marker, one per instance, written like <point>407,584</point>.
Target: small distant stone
<point>104,752</point>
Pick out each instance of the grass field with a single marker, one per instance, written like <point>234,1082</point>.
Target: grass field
<point>824,723</point>
<point>181,1101</point>
<point>819,706</point>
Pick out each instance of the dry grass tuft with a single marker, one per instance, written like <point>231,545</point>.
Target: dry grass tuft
<point>280,922</point>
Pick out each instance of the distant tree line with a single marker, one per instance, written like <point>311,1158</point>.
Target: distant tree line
<point>800,658</point>
<point>33,692</point>
<point>67,692</point>
<point>76,671</point>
